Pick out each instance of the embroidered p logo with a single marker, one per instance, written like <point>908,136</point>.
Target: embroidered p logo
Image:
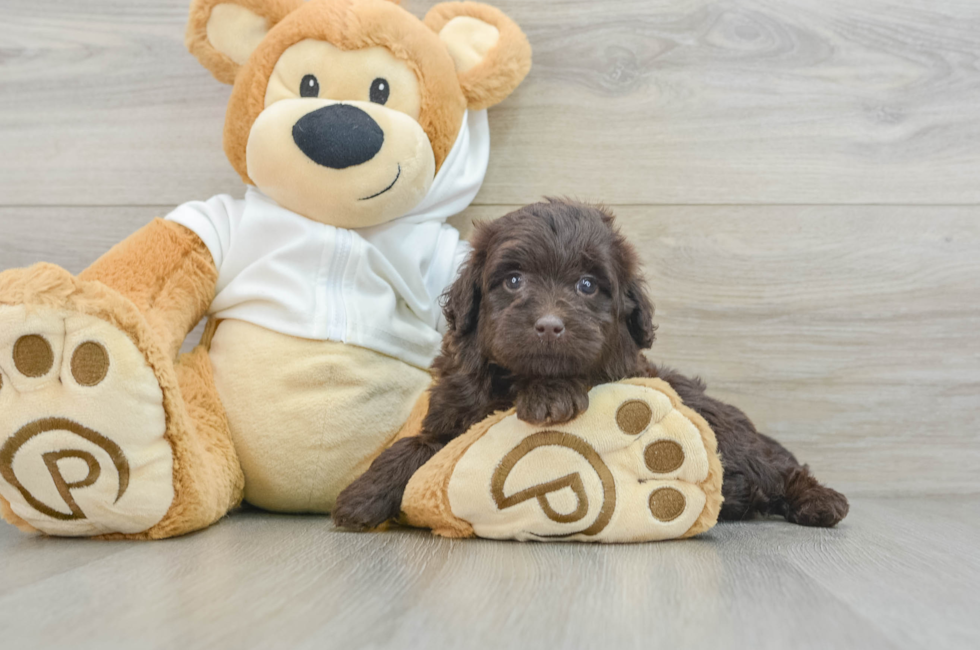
<point>53,459</point>
<point>572,481</point>
<point>635,466</point>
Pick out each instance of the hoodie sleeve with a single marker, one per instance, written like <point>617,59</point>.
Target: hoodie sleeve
<point>213,221</point>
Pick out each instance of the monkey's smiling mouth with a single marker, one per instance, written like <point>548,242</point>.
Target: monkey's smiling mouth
<point>397,176</point>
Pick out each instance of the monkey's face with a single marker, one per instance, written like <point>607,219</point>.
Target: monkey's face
<point>339,139</point>
<point>344,111</point>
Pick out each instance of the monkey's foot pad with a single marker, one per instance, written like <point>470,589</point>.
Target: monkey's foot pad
<point>637,466</point>
<point>82,423</point>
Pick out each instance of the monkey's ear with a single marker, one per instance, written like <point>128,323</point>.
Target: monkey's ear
<point>223,33</point>
<point>491,53</point>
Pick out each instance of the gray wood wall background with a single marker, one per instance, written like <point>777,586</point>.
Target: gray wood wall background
<point>801,176</point>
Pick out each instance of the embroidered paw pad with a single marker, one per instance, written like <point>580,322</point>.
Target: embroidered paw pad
<point>633,467</point>
<point>82,448</point>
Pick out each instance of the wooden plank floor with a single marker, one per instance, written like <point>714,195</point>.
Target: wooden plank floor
<point>801,179</point>
<point>848,332</point>
<point>898,573</point>
<point>673,101</point>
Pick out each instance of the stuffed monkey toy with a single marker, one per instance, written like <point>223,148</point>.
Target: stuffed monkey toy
<point>358,129</point>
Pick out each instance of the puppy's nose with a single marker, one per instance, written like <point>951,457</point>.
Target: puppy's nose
<point>338,136</point>
<point>549,327</point>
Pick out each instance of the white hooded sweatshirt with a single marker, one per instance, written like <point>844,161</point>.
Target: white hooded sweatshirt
<point>375,287</point>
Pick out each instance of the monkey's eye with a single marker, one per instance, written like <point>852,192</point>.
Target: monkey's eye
<point>309,87</point>
<point>380,91</point>
<point>514,282</point>
<point>586,285</point>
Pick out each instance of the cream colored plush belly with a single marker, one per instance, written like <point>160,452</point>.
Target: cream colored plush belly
<point>307,417</point>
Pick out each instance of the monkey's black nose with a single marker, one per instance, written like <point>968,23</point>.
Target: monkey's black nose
<point>338,136</point>
<point>549,327</point>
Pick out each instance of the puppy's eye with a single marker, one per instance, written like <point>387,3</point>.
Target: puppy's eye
<point>587,285</point>
<point>380,91</point>
<point>514,281</point>
<point>309,87</point>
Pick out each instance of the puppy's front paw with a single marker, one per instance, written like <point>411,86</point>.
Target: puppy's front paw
<point>552,402</point>
<point>636,466</point>
<point>365,505</point>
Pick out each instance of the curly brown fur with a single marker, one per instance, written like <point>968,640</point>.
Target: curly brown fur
<point>542,341</point>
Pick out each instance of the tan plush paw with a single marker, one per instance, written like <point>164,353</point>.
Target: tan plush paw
<point>636,466</point>
<point>82,423</point>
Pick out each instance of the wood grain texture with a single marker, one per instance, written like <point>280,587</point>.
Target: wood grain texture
<point>849,333</point>
<point>897,573</point>
<point>680,101</point>
<point>68,236</point>
<point>72,238</point>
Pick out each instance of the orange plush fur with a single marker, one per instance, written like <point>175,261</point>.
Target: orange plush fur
<point>158,283</point>
<point>506,65</point>
<point>358,24</point>
<point>207,478</point>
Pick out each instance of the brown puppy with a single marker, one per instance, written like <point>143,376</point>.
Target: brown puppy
<point>550,304</point>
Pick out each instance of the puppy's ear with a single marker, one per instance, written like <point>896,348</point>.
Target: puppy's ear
<point>639,314</point>
<point>461,303</point>
<point>635,305</point>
